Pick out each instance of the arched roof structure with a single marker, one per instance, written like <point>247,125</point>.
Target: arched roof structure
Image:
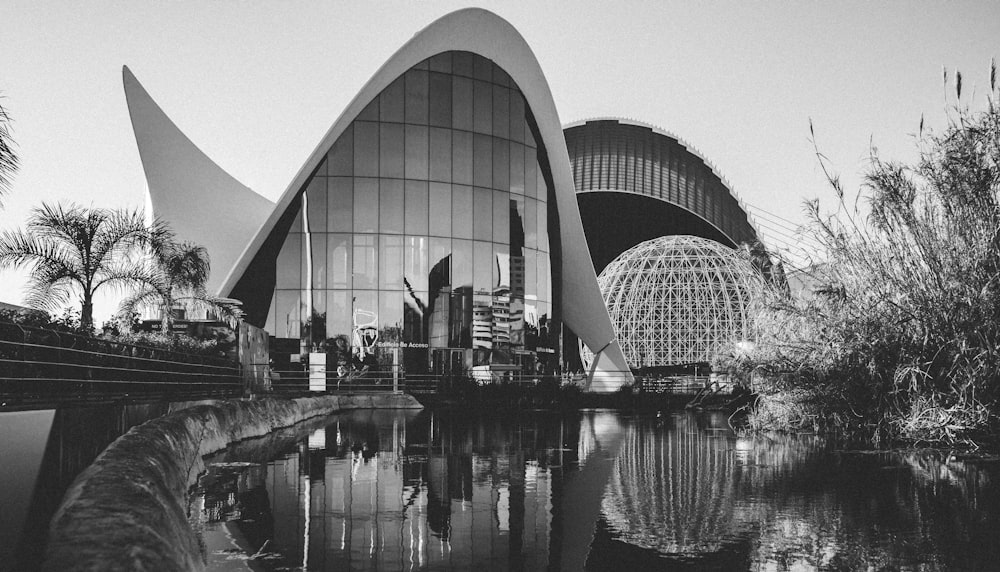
<point>656,183</point>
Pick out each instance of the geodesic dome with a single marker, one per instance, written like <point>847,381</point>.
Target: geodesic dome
<point>677,299</point>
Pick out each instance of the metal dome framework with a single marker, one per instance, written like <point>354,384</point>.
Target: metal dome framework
<point>676,299</point>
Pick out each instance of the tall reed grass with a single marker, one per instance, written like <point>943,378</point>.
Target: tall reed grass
<point>901,340</point>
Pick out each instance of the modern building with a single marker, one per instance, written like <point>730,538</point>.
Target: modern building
<point>434,226</point>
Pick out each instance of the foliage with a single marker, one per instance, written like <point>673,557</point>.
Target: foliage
<point>76,250</point>
<point>902,342</point>
<point>175,274</point>
<point>68,321</point>
<point>8,158</point>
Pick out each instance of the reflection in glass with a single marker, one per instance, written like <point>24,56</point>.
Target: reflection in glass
<point>531,223</point>
<point>517,168</point>
<point>340,268</point>
<point>318,252</point>
<point>440,264</point>
<point>415,210</point>
<point>316,191</point>
<point>288,320</point>
<point>501,217</point>
<point>289,263</point>
<point>338,322</point>
<point>482,160</point>
<point>482,267</point>
<point>390,316</point>
<point>391,259</point>
<point>530,173</point>
<point>461,263</point>
<point>416,96</point>
<point>517,116</point>
<point>501,267</point>
<point>391,206</point>
<point>415,270</point>
<point>516,225</point>
<point>501,111</point>
<point>341,204</point>
<point>365,261</point>
<point>483,106</point>
<point>461,157</point>
<point>501,164</point>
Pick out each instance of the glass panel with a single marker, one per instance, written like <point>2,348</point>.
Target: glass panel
<point>462,157</point>
<point>516,224</point>
<point>438,306</point>
<point>501,267</point>
<point>340,160</point>
<point>482,267</point>
<point>364,324</point>
<point>341,204</point>
<point>501,164</point>
<point>531,223</point>
<point>544,278</point>
<point>440,155</point>
<point>319,260</point>
<point>461,63</point>
<point>390,318</point>
<point>391,102</point>
<point>339,260</point>
<point>543,227</point>
<point>391,206</point>
<point>316,324</point>
<point>370,112</point>
<point>517,275</point>
<point>482,68</point>
<point>530,275</point>
<point>501,112</point>
<point>338,317</point>
<point>391,147</point>
<point>501,217</point>
<point>517,168</point>
<point>482,226</point>
<point>414,321</point>
<point>461,213</point>
<point>441,62</point>
<point>416,152</point>
<point>500,76</point>
<point>365,205</point>
<point>297,221</point>
<point>517,116</point>
<point>482,168</point>
<point>440,100</point>
<point>501,329</point>
<point>365,261</point>
<point>440,264</point>
<point>461,103</point>
<point>530,325</point>
<point>415,271</point>
<point>269,324</point>
<point>440,209</point>
<point>461,264</point>
<point>482,324</point>
<point>316,204</point>
<point>515,322</point>
<point>483,106</point>
<point>415,210</point>
<point>287,268</point>
<point>365,149</point>
<point>287,314</point>
<point>416,96</point>
<point>530,168</point>
<point>460,328</point>
<point>391,258</point>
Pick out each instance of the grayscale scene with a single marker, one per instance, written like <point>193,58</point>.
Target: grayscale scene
<point>332,285</point>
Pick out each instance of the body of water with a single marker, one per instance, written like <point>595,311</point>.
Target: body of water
<point>443,490</point>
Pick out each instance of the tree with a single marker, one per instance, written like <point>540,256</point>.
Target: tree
<point>8,158</point>
<point>76,250</point>
<point>174,275</point>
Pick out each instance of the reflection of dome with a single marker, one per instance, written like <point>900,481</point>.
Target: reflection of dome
<point>676,299</point>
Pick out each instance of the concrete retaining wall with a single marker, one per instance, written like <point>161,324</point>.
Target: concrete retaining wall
<point>128,510</point>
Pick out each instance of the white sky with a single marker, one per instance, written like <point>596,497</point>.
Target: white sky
<point>257,84</point>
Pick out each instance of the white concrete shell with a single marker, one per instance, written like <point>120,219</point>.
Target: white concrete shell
<point>484,33</point>
<point>201,202</point>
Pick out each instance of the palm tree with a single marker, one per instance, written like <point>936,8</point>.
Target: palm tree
<point>8,158</point>
<point>175,275</point>
<point>76,250</point>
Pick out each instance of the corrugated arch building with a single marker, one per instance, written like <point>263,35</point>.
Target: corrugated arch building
<point>435,224</point>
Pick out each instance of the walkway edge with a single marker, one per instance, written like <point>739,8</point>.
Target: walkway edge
<point>128,510</point>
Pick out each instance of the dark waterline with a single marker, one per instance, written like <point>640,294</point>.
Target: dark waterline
<point>597,489</point>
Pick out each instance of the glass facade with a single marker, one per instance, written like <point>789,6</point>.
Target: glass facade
<point>421,238</point>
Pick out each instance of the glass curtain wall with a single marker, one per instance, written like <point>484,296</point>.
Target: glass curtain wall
<point>424,229</point>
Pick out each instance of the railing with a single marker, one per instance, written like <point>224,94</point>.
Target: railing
<point>36,362</point>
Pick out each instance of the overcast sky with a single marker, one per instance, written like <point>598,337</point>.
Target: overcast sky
<point>257,84</point>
